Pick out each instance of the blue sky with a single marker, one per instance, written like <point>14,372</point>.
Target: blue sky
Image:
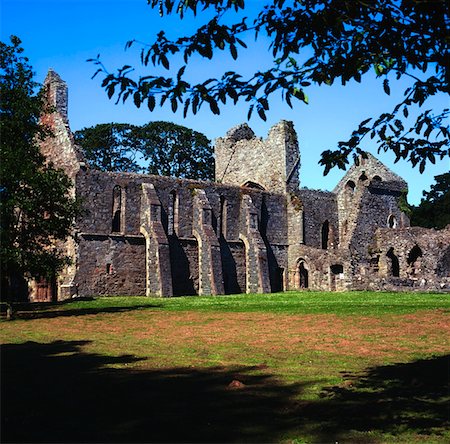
<point>62,34</point>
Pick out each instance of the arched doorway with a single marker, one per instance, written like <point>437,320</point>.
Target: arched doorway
<point>302,280</point>
<point>395,266</point>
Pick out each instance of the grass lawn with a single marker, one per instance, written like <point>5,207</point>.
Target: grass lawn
<point>291,367</point>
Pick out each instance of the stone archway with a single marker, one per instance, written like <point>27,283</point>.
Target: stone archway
<point>301,275</point>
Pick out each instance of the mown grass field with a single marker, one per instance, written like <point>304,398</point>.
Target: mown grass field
<point>292,367</point>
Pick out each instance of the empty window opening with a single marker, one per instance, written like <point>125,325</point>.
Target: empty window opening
<point>395,266</point>
<point>337,269</point>
<point>117,210</point>
<point>172,215</point>
<point>325,234</point>
<point>109,269</point>
<point>413,259</point>
<point>363,177</point>
<point>350,186</point>
<point>377,179</point>
<point>302,228</point>
<point>223,217</point>
<point>392,221</point>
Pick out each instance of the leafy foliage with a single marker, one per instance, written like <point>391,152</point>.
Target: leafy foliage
<point>311,42</point>
<point>161,148</point>
<point>434,208</point>
<point>109,147</point>
<point>36,209</point>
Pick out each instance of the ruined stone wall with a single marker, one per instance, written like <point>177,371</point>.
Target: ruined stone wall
<point>192,242</point>
<point>110,264</point>
<point>253,230</point>
<point>273,163</point>
<point>318,208</point>
<point>423,257</point>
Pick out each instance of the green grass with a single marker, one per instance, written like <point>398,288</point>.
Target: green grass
<point>348,303</point>
<point>317,367</point>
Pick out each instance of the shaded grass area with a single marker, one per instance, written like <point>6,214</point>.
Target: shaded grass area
<point>307,302</point>
<point>55,392</point>
<point>311,367</point>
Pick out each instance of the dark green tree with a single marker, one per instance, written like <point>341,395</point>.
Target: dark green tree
<point>109,147</point>
<point>36,208</point>
<point>434,208</point>
<point>312,42</point>
<point>174,150</point>
<point>162,148</point>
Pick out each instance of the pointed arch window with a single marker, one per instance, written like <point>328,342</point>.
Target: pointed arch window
<point>392,221</point>
<point>173,213</point>
<point>117,213</point>
<point>325,234</point>
<point>223,217</point>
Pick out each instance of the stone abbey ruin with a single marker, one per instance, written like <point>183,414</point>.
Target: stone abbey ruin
<point>254,230</point>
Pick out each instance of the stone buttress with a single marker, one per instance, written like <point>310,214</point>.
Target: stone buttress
<point>158,270</point>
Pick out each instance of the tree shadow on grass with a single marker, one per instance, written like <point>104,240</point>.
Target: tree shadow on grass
<point>47,310</point>
<point>56,392</point>
<point>408,397</point>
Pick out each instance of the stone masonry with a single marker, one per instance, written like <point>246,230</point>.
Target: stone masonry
<point>253,230</point>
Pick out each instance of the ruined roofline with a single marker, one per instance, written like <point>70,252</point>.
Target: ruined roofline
<point>180,180</point>
<point>244,132</point>
<point>370,162</point>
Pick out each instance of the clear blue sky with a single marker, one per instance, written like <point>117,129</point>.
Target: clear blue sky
<point>62,34</point>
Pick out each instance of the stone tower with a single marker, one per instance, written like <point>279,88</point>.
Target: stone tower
<point>272,164</point>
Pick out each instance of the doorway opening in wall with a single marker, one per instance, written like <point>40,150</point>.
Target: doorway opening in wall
<point>412,260</point>
<point>336,272</point>
<point>302,275</point>
<point>395,266</point>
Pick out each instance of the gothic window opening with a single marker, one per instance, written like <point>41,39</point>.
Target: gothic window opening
<point>392,221</point>
<point>223,217</point>
<point>117,216</point>
<point>395,266</point>
<point>350,186</point>
<point>325,235</point>
<point>363,177</point>
<point>413,259</point>
<point>377,179</point>
<point>302,228</point>
<point>173,214</point>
